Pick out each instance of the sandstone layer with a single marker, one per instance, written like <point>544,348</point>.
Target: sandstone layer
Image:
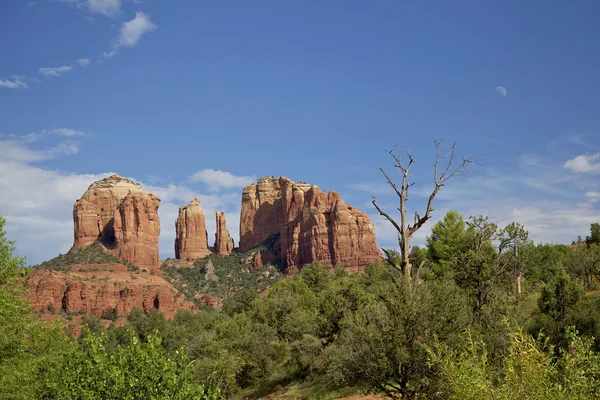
<point>191,239</point>
<point>102,289</point>
<point>223,241</point>
<point>311,225</point>
<point>122,216</point>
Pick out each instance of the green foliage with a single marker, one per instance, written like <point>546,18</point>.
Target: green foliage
<point>447,241</point>
<point>451,333</point>
<point>382,345</point>
<point>315,275</point>
<point>290,309</point>
<point>583,263</point>
<point>594,237</point>
<point>542,262</point>
<point>28,348</point>
<point>139,371</point>
<point>93,254</point>
<point>529,370</point>
<point>233,275</point>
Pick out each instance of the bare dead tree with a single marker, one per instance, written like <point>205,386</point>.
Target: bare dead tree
<point>440,177</point>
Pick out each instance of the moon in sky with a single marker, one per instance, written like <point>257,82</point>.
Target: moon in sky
<point>501,90</point>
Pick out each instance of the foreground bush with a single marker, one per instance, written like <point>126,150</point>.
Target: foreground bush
<point>138,371</point>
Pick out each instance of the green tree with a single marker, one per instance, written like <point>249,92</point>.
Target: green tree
<point>448,240</point>
<point>594,237</point>
<point>138,371</point>
<point>29,348</point>
<point>584,263</point>
<point>557,305</point>
<point>290,308</point>
<point>381,346</point>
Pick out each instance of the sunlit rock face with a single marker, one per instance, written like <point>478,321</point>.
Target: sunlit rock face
<point>223,241</point>
<point>123,217</point>
<point>191,240</point>
<point>311,225</point>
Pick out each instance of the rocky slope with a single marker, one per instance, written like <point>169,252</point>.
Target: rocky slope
<point>89,280</point>
<point>311,225</point>
<point>123,217</point>
<point>191,240</point>
<point>223,242</point>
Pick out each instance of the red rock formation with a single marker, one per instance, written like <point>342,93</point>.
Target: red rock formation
<point>192,240</point>
<point>100,288</point>
<point>123,217</point>
<point>312,225</point>
<point>223,242</point>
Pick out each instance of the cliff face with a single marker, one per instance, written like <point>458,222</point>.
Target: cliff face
<point>191,240</point>
<point>123,217</point>
<point>100,288</point>
<point>312,225</point>
<point>223,241</point>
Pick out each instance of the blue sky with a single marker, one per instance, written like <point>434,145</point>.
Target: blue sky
<point>200,98</point>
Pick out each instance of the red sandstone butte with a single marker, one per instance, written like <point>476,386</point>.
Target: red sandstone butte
<point>312,225</point>
<point>192,240</point>
<point>122,216</point>
<point>223,242</point>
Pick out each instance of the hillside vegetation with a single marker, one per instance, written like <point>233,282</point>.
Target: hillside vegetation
<point>479,321</point>
<point>93,254</point>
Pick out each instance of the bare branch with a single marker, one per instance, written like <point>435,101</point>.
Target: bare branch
<point>391,183</point>
<point>386,216</point>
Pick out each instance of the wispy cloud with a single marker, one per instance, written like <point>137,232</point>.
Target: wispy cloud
<point>584,163</point>
<point>13,82</point>
<point>59,71</point>
<point>104,7</point>
<point>19,148</point>
<point>579,139</point>
<point>108,8</point>
<point>68,132</point>
<point>131,33</point>
<point>55,71</point>
<point>19,151</point>
<point>593,197</point>
<point>217,180</point>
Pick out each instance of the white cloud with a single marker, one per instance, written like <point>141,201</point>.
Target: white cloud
<point>109,8</point>
<point>131,33</point>
<point>584,163</point>
<point>593,197</point>
<point>83,61</point>
<point>19,151</point>
<point>14,82</point>
<point>501,90</point>
<point>104,7</point>
<point>68,132</point>
<point>56,71</point>
<point>217,179</point>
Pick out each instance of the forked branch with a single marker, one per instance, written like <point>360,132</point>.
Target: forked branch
<point>446,162</point>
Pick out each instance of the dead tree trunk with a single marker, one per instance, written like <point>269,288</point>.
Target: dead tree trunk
<point>404,229</point>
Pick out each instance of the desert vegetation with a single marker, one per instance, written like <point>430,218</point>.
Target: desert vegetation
<point>461,330</point>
